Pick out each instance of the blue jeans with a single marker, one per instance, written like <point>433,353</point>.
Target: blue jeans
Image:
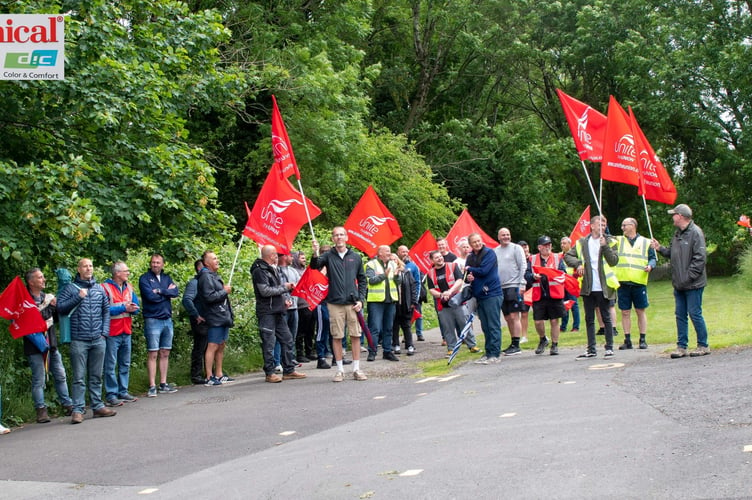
<point>575,313</point>
<point>419,321</point>
<point>87,360</point>
<point>381,322</point>
<point>489,314</point>
<point>689,302</point>
<point>291,316</point>
<point>323,335</point>
<point>118,351</point>
<point>57,370</point>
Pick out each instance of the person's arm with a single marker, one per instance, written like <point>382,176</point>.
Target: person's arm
<point>209,289</point>
<point>652,259</point>
<point>698,257</point>
<point>261,280</point>
<point>68,299</point>
<point>371,276</point>
<point>105,313</point>
<point>191,289</point>
<point>611,256</point>
<point>487,265</point>
<point>171,291</point>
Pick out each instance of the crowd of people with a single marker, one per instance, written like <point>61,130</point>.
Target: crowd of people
<point>613,271</point>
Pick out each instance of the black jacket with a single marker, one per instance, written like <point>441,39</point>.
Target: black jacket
<point>269,288</point>
<point>214,299</point>
<point>688,255</point>
<point>347,279</point>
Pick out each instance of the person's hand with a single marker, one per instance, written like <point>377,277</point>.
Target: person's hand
<point>172,285</point>
<point>228,289</point>
<point>83,292</point>
<point>579,271</point>
<point>654,244</point>
<point>469,278</point>
<point>358,306</point>
<point>199,319</point>
<point>315,245</point>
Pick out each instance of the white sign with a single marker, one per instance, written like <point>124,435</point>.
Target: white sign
<point>32,47</point>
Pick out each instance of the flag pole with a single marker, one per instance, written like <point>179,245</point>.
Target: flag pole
<point>647,216</point>
<point>590,183</point>
<point>235,261</point>
<point>305,205</point>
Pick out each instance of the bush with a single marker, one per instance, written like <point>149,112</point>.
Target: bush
<point>744,266</point>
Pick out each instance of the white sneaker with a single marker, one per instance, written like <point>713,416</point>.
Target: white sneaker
<point>3,429</point>
<point>482,361</point>
<point>396,349</point>
<point>523,340</point>
<point>339,377</point>
<point>278,369</point>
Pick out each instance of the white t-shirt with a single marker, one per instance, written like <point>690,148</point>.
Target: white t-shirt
<point>594,253</point>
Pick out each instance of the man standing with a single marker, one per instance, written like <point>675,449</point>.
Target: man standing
<point>512,266</point>
<point>36,282</point>
<point>404,253</point>
<point>443,245</point>
<point>290,274</point>
<point>196,315</point>
<point>157,291</point>
<point>548,295</point>
<point>123,305</point>
<point>85,301</point>
<point>636,260</point>
<point>214,295</point>
<point>272,301</point>
<point>593,258</point>
<point>483,275</point>
<point>566,245</point>
<point>347,291</point>
<point>688,256</point>
<point>383,286</point>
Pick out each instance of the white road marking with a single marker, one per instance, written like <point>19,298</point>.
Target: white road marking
<point>287,433</point>
<point>411,472</point>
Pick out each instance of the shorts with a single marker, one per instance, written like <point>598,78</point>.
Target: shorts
<point>218,334</point>
<point>341,316</point>
<point>548,308</point>
<point>158,333</point>
<point>512,301</point>
<point>632,294</point>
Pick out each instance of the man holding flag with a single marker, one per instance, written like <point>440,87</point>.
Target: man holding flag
<point>345,298</point>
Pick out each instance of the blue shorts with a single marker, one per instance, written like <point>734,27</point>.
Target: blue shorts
<point>632,294</point>
<point>218,334</point>
<point>158,334</point>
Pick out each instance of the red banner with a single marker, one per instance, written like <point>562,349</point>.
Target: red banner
<point>465,226</point>
<point>656,183</point>
<point>371,224</point>
<point>582,228</point>
<point>420,250</point>
<point>571,284</point>
<point>313,287</point>
<point>17,305</point>
<point>587,125</point>
<point>278,213</point>
<point>620,150</point>
<point>281,144</point>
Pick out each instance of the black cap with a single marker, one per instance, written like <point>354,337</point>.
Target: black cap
<point>544,240</point>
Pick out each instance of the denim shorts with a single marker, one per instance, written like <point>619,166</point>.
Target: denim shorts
<point>218,334</point>
<point>632,294</point>
<point>158,333</point>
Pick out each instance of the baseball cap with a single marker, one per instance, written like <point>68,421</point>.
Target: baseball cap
<point>682,210</point>
<point>523,243</point>
<point>544,240</point>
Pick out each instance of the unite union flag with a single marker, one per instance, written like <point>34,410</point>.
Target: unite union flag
<point>587,126</point>
<point>464,226</point>
<point>371,224</point>
<point>17,305</point>
<point>312,287</point>
<point>281,145</point>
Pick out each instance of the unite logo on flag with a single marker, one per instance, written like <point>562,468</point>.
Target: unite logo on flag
<point>582,133</point>
<point>372,223</point>
<point>281,150</point>
<point>272,213</point>
<point>625,147</point>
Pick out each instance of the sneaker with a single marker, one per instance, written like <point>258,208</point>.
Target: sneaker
<point>626,345</point>
<point>339,376</point>
<point>482,361</point>
<point>421,338</point>
<point>303,359</point>
<point>512,350</point>
<point>554,350</point>
<point>523,340</point>
<point>322,364</point>
<point>198,380</point>
<point>609,354</point>
<point>212,381</point>
<point>679,352</point>
<point>397,349</point>
<point>359,375</point>
<point>700,351</point>
<point>168,388</point>
<point>390,356</point>
<point>152,392</point>
<point>475,349</point>
<point>494,360</point>
<point>294,376</point>
<point>3,429</point>
<point>449,353</point>
<point>542,344</point>
<point>127,398</point>
<point>226,379</point>
<point>112,402</point>
<point>346,361</point>
<point>410,350</point>
<point>643,344</point>
<point>278,369</point>
<point>371,356</point>
<point>585,355</point>
<point>273,378</point>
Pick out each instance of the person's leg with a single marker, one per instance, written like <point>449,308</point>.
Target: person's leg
<point>682,323</point>
<point>284,337</point>
<point>268,339</point>
<point>110,361</point>
<point>387,323</point>
<point>694,309</point>
<point>606,313</point>
<point>57,370</point>
<point>375,321</point>
<point>152,333</point>
<point>78,356</point>
<point>165,346</point>
<point>36,362</point>
<point>219,357</point>
<point>588,302</point>
<point>575,315</point>
<point>94,366</point>
<point>489,313</point>
<point>209,355</point>
<point>124,364</point>
<point>447,327</point>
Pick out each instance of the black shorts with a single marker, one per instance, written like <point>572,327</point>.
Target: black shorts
<point>548,308</point>
<point>512,301</point>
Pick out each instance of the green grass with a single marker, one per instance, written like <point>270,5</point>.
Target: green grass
<point>725,306</point>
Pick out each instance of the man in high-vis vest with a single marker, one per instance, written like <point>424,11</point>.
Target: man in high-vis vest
<point>123,305</point>
<point>636,260</point>
<point>383,288</point>
<point>548,295</point>
<point>593,258</point>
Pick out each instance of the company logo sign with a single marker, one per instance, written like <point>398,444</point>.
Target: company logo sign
<point>32,47</point>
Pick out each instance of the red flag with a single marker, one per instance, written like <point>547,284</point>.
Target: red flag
<point>464,226</point>
<point>744,221</point>
<point>278,213</point>
<point>587,125</point>
<point>582,228</point>
<point>569,304</point>
<point>528,297</point>
<point>619,152</point>
<point>281,144</point>
<point>371,224</point>
<point>416,315</point>
<point>420,250</point>
<point>17,305</point>
<point>656,183</point>
<point>571,284</point>
<point>313,287</point>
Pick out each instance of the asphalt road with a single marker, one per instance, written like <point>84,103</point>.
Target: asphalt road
<point>638,426</point>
